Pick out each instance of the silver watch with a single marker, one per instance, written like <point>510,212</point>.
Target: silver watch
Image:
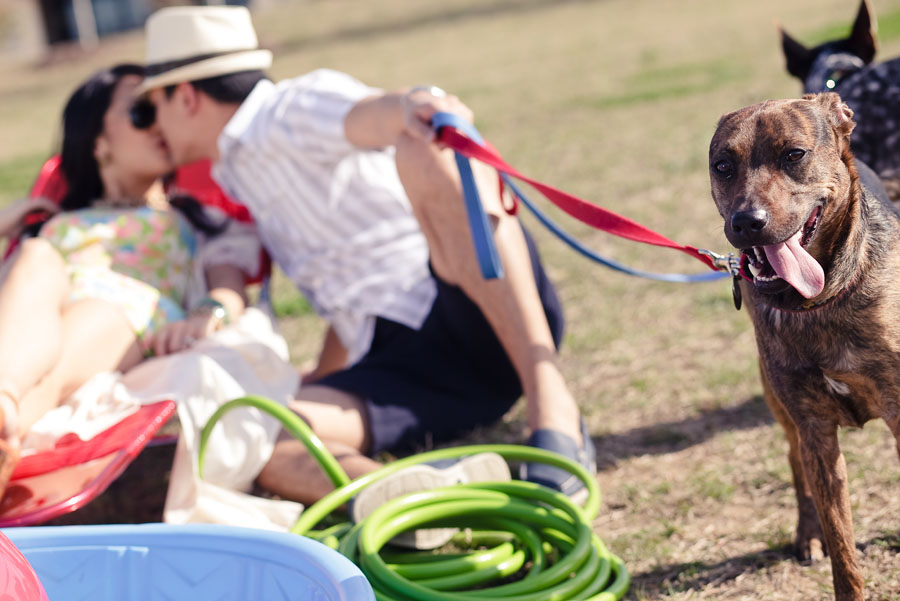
<point>211,308</point>
<point>433,90</point>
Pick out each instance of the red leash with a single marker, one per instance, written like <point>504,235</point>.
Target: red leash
<point>582,210</point>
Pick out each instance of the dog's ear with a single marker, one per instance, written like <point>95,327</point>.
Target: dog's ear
<point>862,40</point>
<point>798,58</point>
<point>839,114</point>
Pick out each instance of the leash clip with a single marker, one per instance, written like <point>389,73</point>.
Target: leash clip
<point>731,264</point>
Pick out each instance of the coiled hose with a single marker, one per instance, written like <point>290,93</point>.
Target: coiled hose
<point>519,541</point>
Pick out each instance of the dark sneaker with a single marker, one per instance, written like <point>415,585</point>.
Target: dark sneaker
<point>554,477</point>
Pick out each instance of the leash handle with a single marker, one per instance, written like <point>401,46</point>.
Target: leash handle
<point>479,225</point>
<point>450,129</point>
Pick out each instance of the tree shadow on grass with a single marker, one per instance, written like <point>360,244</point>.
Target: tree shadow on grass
<point>697,575</point>
<point>670,437</point>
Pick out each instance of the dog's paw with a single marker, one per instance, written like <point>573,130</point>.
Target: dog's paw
<point>810,551</point>
<point>809,545</point>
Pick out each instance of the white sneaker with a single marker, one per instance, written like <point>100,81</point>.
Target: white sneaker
<point>482,467</point>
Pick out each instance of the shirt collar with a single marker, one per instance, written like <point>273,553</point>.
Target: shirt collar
<point>239,124</point>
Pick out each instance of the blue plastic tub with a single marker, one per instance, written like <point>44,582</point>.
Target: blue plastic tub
<point>160,562</point>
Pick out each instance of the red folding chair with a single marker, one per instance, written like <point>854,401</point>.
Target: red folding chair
<point>54,482</point>
<point>50,483</point>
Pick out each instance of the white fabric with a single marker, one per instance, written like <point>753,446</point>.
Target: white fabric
<point>249,357</point>
<point>335,218</point>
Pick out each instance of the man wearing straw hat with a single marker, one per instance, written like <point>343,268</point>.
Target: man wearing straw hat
<point>363,212</point>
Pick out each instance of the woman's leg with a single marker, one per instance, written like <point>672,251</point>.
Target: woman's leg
<point>31,298</point>
<point>33,285</point>
<point>95,337</point>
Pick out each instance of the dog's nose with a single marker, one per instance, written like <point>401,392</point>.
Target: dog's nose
<point>749,222</point>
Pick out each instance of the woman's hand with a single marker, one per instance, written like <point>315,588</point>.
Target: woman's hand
<point>12,216</point>
<point>181,335</point>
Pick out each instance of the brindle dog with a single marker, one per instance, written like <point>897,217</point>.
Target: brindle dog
<point>821,256</point>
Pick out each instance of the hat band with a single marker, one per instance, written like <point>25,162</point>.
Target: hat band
<point>158,68</point>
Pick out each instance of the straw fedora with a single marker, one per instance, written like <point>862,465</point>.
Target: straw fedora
<point>189,43</point>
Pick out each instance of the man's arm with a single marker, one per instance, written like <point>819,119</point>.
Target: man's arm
<point>378,121</point>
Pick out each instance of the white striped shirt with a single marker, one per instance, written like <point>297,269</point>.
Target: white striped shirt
<point>334,217</point>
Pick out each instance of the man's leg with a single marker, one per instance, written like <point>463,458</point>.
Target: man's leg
<point>340,420</point>
<point>511,304</point>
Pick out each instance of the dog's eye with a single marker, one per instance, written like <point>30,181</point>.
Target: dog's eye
<point>834,79</point>
<point>794,155</point>
<point>723,167</point>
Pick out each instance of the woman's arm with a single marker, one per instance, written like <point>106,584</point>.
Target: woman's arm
<point>225,302</point>
<point>227,284</point>
<point>12,215</point>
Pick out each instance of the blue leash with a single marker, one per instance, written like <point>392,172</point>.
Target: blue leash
<point>486,250</point>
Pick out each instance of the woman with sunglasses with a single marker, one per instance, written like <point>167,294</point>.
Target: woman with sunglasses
<point>120,272</point>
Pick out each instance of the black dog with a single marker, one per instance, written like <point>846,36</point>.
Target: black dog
<point>871,91</point>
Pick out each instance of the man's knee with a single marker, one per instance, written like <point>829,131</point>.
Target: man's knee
<point>333,415</point>
<point>417,153</point>
<point>423,163</point>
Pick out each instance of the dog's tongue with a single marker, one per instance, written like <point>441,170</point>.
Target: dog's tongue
<point>796,266</point>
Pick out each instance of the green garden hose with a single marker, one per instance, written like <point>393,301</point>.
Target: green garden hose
<point>519,541</point>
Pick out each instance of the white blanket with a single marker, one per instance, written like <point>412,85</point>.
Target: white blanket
<point>248,357</point>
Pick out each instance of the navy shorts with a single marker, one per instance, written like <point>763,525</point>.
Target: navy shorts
<point>434,384</point>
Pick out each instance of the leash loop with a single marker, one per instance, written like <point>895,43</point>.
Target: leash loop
<point>479,225</point>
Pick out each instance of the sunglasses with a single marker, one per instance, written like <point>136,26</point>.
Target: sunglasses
<point>142,114</point>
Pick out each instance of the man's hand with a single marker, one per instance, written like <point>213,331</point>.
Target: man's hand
<point>422,102</point>
<point>379,121</point>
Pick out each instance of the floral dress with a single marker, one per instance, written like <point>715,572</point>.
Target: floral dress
<point>139,259</point>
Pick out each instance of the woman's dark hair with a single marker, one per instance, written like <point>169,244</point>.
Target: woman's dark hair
<point>83,120</point>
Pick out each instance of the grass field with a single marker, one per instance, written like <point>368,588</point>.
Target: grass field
<point>614,101</point>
